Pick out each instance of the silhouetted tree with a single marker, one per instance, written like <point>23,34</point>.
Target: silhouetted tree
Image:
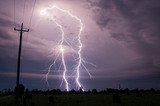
<point>27,91</point>
<point>88,91</point>
<point>94,91</point>
<point>80,90</point>
<point>9,91</point>
<point>72,91</point>
<point>152,90</point>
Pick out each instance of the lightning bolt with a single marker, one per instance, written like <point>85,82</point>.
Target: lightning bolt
<point>62,56</point>
<point>79,59</point>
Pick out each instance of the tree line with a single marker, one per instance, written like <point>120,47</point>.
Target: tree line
<point>80,91</point>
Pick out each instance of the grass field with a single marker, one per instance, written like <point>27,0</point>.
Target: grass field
<point>147,99</point>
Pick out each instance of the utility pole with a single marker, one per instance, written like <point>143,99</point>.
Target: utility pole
<point>19,52</point>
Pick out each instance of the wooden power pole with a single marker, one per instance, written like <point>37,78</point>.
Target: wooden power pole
<point>19,52</point>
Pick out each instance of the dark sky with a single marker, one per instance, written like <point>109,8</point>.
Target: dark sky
<point>121,38</point>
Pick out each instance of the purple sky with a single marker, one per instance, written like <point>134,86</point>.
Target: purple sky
<point>121,37</point>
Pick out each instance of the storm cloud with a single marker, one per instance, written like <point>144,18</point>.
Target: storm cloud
<point>121,38</point>
<point>134,22</point>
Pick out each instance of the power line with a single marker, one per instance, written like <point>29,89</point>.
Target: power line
<point>14,13</point>
<point>32,14</point>
<point>24,7</point>
<point>30,22</point>
<point>24,11</point>
<point>21,32</point>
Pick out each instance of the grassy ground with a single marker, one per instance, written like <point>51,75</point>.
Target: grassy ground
<point>147,99</point>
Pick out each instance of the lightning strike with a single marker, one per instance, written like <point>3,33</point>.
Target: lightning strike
<point>62,55</point>
<point>79,60</point>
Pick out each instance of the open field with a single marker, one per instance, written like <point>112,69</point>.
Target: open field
<point>147,99</point>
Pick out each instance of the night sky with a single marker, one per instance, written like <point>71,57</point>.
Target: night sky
<point>120,37</point>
